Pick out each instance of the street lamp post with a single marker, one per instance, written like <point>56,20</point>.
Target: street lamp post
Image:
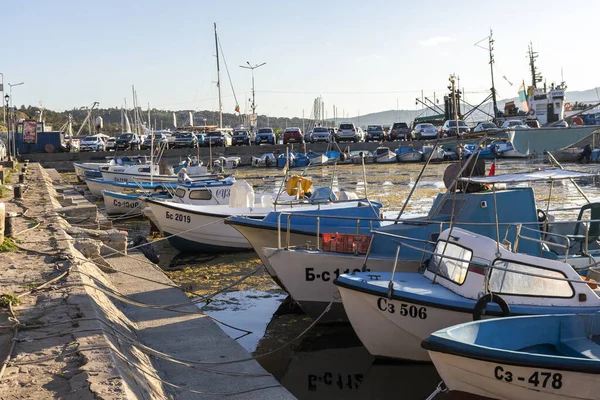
<point>6,99</point>
<point>12,120</point>
<point>252,68</point>
<point>2,90</point>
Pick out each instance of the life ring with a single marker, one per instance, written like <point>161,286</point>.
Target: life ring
<point>296,180</point>
<point>482,303</point>
<point>577,121</point>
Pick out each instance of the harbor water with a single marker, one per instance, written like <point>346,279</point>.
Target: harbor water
<point>326,361</point>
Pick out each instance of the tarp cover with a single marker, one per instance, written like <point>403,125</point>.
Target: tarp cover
<point>543,175</point>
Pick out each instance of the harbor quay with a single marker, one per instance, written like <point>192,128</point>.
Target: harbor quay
<point>85,317</point>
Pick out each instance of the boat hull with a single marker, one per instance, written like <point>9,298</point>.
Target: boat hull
<point>196,231</point>
<point>409,157</point>
<point>308,275</point>
<point>511,382</point>
<point>384,330</point>
<point>528,141</point>
<point>121,204</point>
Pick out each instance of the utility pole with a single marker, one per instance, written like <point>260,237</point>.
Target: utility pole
<point>252,68</point>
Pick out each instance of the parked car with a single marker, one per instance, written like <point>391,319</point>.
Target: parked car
<point>485,126</point>
<point>185,139</point>
<point>320,134</point>
<point>265,135</point>
<point>308,135</point>
<point>218,138</point>
<point>347,131</point>
<point>399,131</point>
<point>92,143</point>
<point>293,135</point>
<point>375,132</point>
<point>129,141</point>
<point>111,144</point>
<point>424,131</point>
<point>159,139</point>
<point>241,137</point>
<point>449,128</point>
<point>513,123</point>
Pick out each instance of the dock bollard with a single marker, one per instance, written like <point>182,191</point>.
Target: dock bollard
<point>9,223</point>
<point>21,178</point>
<point>17,192</point>
<point>24,169</point>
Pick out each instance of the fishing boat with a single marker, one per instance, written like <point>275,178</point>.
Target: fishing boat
<point>439,153</point>
<point>384,155</point>
<point>150,173</point>
<point>96,186</point>
<point>315,158</point>
<point>548,139</point>
<point>202,229</point>
<point>226,162</point>
<point>471,211</point>
<point>361,156</point>
<point>266,160</point>
<point>506,150</point>
<point>542,357</point>
<point>200,193</point>
<point>408,154</point>
<point>82,170</point>
<point>296,160</point>
<point>467,276</point>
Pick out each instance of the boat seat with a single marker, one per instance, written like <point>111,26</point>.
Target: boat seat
<point>574,341</point>
<point>593,228</point>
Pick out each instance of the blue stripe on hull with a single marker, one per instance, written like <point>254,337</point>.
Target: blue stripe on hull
<point>189,246</point>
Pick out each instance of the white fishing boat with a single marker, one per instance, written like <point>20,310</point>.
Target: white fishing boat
<point>466,275</point>
<point>317,158</point>
<point>384,155</point>
<point>202,228</point>
<point>549,357</point>
<point>439,153</point>
<point>143,173</point>
<point>122,203</point>
<point>227,162</point>
<point>408,154</point>
<point>266,160</point>
<point>308,275</point>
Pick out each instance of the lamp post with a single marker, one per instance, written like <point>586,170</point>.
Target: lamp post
<point>2,90</point>
<point>6,99</point>
<point>12,119</point>
<point>252,68</point>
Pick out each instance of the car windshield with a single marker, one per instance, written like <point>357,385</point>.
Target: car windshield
<point>453,123</point>
<point>374,128</point>
<point>321,130</point>
<point>488,126</point>
<point>184,135</point>
<point>265,130</point>
<point>90,139</point>
<point>126,136</point>
<point>240,133</point>
<point>511,123</point>
<point>427,126</point>
<point>214,134</point>
<point>399,125</point>
<point>346,126</point>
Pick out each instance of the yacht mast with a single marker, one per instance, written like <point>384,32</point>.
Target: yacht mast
<point>218,79</point>
<point>535,75</point>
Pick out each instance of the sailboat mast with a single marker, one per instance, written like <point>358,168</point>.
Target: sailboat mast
<point>219,79</point>
<point>491,47</point>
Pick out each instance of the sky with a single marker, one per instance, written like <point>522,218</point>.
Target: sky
<point>359,56</point>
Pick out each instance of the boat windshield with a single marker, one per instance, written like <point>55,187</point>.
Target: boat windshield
<point>509,278</point>
<point>455,268</point>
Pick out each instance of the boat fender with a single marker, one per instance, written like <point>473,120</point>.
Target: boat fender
<point>481,305</point>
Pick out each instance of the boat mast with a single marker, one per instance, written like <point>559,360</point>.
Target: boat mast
<point>219,79</point>
<point>491,47</point>
<point>535,75</point>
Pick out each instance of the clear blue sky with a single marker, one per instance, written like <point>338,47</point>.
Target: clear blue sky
<point>362,56</point>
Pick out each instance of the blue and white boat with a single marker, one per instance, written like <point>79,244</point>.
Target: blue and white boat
<point>383,155</point>
<point>473,211</point>
<point>315,158</point>
<point>467,274</point>
<point>407,154</point>
<point>296,160</point>
<point>126,204</point>
<point>542,357</point>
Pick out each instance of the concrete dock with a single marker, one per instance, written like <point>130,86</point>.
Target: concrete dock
<point>101,329</point>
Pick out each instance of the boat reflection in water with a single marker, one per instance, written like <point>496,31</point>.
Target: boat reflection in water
<point>329,362</point>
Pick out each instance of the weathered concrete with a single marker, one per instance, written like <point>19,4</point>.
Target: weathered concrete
<point>102,335</point>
